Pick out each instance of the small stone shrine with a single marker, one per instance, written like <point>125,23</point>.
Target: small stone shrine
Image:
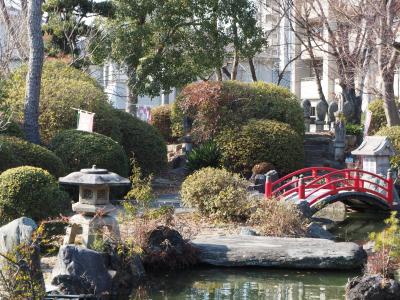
<point>375,153</point>
<point>94,207</point>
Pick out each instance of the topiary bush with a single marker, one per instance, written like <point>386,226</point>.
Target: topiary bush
<point>393,133</point>
<point>161,119</point>
<point>80,149</point>
<point>259,141</point>
<point>31,192</point>
<point>62,88</point>
<point>216,193</point>
<point>216,105</point>
<point>28,154</point>
<point>144,141</point>
<point>205,155</point>
<point>378,119</point>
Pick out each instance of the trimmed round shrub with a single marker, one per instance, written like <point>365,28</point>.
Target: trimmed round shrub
<point>81,149</point>
<point>259,141</point>
<point>28,154</point>
<point>144,142</point>
<point>217,193</point>
<point>31,192</point>
<point>378,119</point>
<point>393,133</point>
<point>62,88</point>
<point>161,119</point>
<point>213,106</point>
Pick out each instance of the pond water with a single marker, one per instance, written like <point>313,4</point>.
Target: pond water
<point>207,283</point>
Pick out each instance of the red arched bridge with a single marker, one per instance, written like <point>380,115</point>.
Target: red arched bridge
<point>320,186</point>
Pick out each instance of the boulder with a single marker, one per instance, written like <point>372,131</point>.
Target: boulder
<point>372,287</point>
<point>293,253</point>
<point>81,271</point>
<point>13,235</point>
<point>247,231</point>
<point>315,230</point>
<point>305,209</point>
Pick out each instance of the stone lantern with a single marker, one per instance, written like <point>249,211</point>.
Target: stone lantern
<point>94,207</point>
<point>375,153</point>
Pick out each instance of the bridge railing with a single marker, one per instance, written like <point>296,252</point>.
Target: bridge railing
<point>319,187</point>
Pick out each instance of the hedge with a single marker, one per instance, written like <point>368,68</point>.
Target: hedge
<point>81,149</point>
<point>24,153</point>
<point>13,129</point>
<point>261,141</point>
<point>161,119</point>
<point>216,105</point>
<point>62,88</point>
<point>143,141</point>
<point>31,192</point>
<point>378,119</point>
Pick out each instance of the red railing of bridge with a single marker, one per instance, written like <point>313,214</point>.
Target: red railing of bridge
<point>317,183</point>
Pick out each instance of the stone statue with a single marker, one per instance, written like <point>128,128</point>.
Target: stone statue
<point>339,143</point>
<point>333,107</point>
<point>321,110</point>
<point>306,104</point>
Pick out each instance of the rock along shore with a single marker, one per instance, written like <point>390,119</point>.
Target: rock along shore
<point>290,253</point>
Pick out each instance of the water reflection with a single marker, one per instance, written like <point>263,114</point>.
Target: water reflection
<point>249,284</point>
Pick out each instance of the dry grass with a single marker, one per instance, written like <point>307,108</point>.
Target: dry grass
<point>278,218</point>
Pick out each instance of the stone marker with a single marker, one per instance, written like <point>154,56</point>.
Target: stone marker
<point>291,253</point>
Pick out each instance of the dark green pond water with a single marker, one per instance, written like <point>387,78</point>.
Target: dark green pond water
<point>243,283</point>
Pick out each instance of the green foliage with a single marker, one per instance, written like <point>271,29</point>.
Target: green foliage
<point>141,190</point>
<point>143,141</point>
<point>354,129</point>
<point>278,218</point>
<point>378,119</point>
<point>31,192</point>
<point>260,141</point>
<point>62,88</point>
<point>13,129</point>
<point>205,155</point>
<point>181,41</point>
<point>216,193</point>
<point>28,154</point>
<point>214,106</point>
<point>393,133</point>
<point>66,24</point>
<point>387,248</point>
<point>80,149</point>
<point>161,119</point>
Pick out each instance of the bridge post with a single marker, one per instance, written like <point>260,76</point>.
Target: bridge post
<point>390,187</point>
<point>301,188</point>
<point>356,181</point>
<point>268,187</point>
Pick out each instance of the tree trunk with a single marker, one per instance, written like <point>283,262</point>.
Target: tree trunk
<point>34,76</point>
<point>252,69</point>
<point>133,97</point>
<point>389,103</point>
<point>235,65</point>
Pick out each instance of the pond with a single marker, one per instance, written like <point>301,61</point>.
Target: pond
<point>207,283</point>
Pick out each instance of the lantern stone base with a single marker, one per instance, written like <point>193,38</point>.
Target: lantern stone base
<point>92,209</point>
<point>91,228</point>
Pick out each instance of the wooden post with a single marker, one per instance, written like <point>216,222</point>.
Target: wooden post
<point>356,181</point>
<point>390,187</point>
<point>301,188</point>
<point>268,187</point>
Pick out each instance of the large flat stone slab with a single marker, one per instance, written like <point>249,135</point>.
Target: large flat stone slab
<point>292,253</point>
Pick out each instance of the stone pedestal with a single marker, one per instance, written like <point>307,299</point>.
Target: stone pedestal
<point>319,126</point>
<point>338,150</point>
<point>307,122</point>
<point>90,227</point>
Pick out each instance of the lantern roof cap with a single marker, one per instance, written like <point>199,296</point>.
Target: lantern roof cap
<point>94,176</point>
<point>375,146</point>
